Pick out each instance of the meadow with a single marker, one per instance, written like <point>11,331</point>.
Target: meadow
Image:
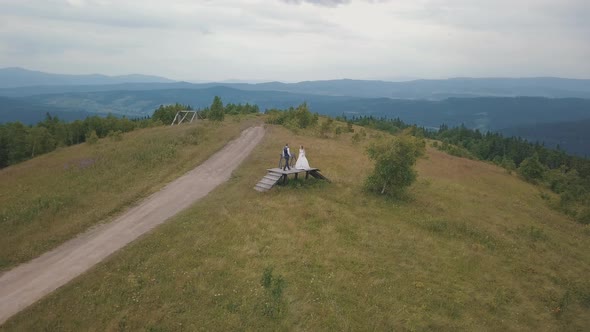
<point>52,198</point>
<point>470,247</point>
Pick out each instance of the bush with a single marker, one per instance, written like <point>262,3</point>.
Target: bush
<point>531,169</point>
<point>92,137</point>
<point>394,164</point>
<point>508,164</point>
<point>115,135</point>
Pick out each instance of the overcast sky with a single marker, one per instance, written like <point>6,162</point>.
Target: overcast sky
<point>295,40</point>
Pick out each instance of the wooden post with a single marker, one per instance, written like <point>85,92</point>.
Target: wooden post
<point>296,175</point>
<point>306,175</point>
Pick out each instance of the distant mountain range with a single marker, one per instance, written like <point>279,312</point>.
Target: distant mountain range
<point>484,113</point>
<point>550,110</point>
<point>19,77</point>
<point>17,82</point>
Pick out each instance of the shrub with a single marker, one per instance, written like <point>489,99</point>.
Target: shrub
<point>115,135</point>
<point>531,169</point>
<point>508,164</point>
<point>92,137</point>
<point>394,164</point>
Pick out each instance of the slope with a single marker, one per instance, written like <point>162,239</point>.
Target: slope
<point>472,248</point>
<point>52,198</point>
<point>29,282</point>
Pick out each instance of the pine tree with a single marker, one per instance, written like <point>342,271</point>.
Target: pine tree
<point>216,112</point>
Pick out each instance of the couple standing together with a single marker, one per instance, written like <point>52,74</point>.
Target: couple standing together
<point>301,163</point>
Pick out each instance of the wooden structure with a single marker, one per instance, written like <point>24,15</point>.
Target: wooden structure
<point>275,175</point>
<point>183,115</point>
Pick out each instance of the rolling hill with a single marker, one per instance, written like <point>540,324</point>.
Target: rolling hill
<point>470,248</point>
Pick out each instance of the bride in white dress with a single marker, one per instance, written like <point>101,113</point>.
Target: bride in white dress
<point>302,162</point>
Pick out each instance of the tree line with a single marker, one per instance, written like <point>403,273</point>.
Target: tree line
<point>19,142</point>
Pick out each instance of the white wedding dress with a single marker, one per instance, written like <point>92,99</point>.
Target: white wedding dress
<point>302,162</point>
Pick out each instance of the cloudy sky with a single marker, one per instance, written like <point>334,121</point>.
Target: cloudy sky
<point>294,40</point>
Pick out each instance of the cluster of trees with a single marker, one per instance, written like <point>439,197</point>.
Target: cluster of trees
<point>166,113</point>
<point>19,142</point>
<point>215,112</point>
<point>295,118</point>
<point>392,126</point>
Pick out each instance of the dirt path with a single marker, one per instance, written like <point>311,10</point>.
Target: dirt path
<point>29,282</point>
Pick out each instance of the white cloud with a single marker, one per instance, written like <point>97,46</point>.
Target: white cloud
<point>298,39</point>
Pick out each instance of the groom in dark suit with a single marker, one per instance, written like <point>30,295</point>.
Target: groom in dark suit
<point>286,155</point>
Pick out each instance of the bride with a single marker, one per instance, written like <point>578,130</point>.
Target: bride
<point>302,162</point>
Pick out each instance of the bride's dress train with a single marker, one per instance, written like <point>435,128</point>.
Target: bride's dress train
<point>302,162</point>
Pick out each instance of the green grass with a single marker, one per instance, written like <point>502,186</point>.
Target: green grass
<point>470,248</point>
<point>50,199</point>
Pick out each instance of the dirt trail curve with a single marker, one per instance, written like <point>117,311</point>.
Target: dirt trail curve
<point>29,282</point>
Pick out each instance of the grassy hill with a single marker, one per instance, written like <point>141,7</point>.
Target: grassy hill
<point>51,198</point>
<point>470,248</point>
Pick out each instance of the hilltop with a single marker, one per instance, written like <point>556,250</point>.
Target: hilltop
<point>471,247</point>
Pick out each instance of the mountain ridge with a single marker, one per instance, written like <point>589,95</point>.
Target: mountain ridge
<point>432,89</point>
<point>12,77</point>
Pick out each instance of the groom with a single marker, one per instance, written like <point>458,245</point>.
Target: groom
<point>286,155</point>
